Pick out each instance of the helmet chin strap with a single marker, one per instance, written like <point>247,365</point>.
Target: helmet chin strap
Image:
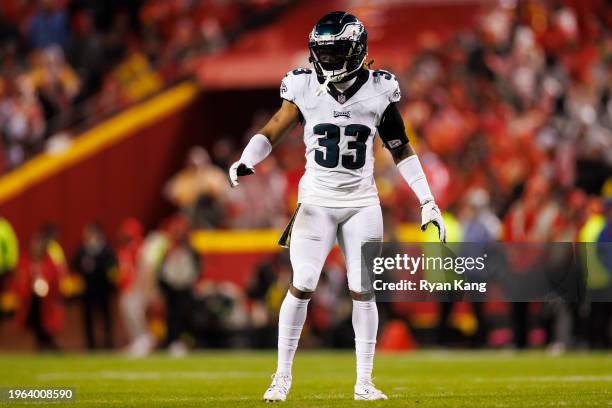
<point>324,86</point>
<point>328,78</point>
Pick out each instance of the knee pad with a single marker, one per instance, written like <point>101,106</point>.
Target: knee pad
<point>306,278</point>
<point>358,283</point>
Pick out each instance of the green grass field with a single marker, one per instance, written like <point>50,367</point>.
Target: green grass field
<point>320,379</point>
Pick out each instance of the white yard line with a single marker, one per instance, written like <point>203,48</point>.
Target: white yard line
<point>222,375</point>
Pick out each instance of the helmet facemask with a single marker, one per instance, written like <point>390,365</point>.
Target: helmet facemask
<point>338,59</point>
<point>337,56</point>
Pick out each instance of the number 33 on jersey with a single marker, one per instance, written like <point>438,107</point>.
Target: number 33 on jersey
<point>339,130</point>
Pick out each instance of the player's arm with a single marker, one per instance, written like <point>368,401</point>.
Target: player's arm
<point>393,133</point>
<point>260,145</point>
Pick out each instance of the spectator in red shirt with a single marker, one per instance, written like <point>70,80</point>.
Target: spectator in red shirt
<point>37,284</point>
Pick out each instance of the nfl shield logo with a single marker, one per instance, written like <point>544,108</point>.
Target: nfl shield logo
<point>341,98</point>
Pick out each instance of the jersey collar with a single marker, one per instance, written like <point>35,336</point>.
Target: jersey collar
<point>342,97</point>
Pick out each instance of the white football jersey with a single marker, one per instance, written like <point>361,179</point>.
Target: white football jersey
<point>339,132</point>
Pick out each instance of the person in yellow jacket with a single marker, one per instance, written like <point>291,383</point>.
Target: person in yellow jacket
<point>9,256</point>
<point>9,247</point>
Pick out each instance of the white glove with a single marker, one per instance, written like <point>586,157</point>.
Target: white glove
<point>430,213</point>
<point>239,169</point>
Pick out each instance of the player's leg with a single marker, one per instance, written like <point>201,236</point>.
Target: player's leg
<point>365,225</point>
<point>312,237</point>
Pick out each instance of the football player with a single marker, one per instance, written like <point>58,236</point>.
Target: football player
<point>342,105</point>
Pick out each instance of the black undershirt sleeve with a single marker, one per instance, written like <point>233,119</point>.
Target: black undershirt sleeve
<point>391,128</point>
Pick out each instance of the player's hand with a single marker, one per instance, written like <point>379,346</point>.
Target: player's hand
<point>430,213</point>
<point>239,169</point>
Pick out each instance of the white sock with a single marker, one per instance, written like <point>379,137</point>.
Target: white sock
<point>365,325</point>
<point>290,321</point>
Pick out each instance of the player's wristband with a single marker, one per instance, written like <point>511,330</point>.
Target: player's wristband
<point>256,150</point>
<point>411,170</point>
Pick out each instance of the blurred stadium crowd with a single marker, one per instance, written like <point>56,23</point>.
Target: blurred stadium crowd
<point>512,120</point>
<point>68,63</point>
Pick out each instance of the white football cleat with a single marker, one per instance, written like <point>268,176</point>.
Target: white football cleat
<point>366,391</point>
<point>279,388</point>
